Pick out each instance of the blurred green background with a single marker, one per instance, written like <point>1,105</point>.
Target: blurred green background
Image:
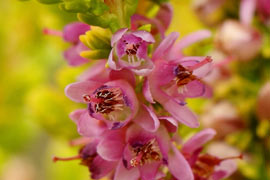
<point>34,122</point>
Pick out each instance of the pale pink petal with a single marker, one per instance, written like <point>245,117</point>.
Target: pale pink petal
<point>147,92</point>
<point>76,91</point>
<point>117,36</point>
<point>144,69</point>
<point>122,173</point>
<point>147,119</point>
<point>164,142</point>
<point>112,64</point>
<point>192,38</point>
<point>247,9</point>
<point>181,113</point>
<point>144,35</point>
<point>194,89</point>
<point>100,167</point>
<point>135,132</point>
<point>198,140</point>
<point>165,46</point>
<point>110,150</point>
<point>72,55</point>
<point>178,165</point>
<point>208,93</point>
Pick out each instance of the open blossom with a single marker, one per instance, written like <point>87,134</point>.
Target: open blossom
<point>113,102</point>
<point>206,166</point>
<point>71,34</point>
<point>130,51</point>
<point>175,79</point>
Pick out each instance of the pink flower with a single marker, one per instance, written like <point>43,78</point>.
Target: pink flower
<point>98,167</point>
<point>113,102</point>
<point>173,79</point>
<point>159,24</point>
<point>206,166</point>
<point>263,7</point>
<point>238,40</point>
<point>140,154</point>
<point>130,51</point>
<point>71,34</point>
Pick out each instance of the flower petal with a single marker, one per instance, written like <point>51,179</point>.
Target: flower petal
<point>178,165</point>
<point>100,167</point>
<point>228,167</point>
<point>117,36</point>
<point>147,92</point>
<point>181,113</point>
<point>149,170</point>
<point>194,89</point>
<point>76,91</point>
<point>112,145</point>
<point>124,74</point>
<point>170,123</point>
<point>75,115</point>
<point>72,55</point>
<point>122,173</point>
<point>165,46</point>
<point>146,36</point>
<point>96,72</point>
<point>90,127</point>
<point>147,119</point>
<point>198,140</point>
<point>72,31</point>
<point>192,38</point>
<point>247,9</point>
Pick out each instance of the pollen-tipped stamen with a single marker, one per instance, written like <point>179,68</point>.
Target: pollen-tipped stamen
<point>208,59</point>
<point>55,158</point>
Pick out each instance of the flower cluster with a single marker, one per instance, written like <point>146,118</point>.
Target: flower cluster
<point>136,99</point>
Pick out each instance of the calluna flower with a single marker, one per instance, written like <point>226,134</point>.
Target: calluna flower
<point>71,34</point>
<point>129,50</point>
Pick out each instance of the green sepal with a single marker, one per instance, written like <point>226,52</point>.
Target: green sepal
<point>98,40</point>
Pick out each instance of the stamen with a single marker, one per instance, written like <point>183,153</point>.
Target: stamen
<point>233,157</point>
<point>208,59</point>
<point>55,159</point>
<point>52,32</point>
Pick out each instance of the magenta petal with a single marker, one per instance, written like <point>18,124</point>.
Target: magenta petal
<point>117,36</point>
<point>124,74</point>
<point>144,35</point>
<point>90,127</point>
<point>181,113</point>
<point>164,142</point>
<point>170,123</point>
<point>149,171</point>
<point>208,93</point>
<point>165,14</point>
<point>147,119</point>
<point>165,46</point>
<point>192,38</point>
<point>76,91</point>
<point>122,173</point>
<point>72,31</point>
<point>111,62</point>
<point>100,167</point>
<point>72,55</point>
<point>112,145</point>
<point>75,115</point>
<point>194,89</point>
<point>198,140</point>
<point>96,72</point>
<point>178,165</point>
<point>147,92</point>
<point>247,9</point>
<point>136,133</point>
